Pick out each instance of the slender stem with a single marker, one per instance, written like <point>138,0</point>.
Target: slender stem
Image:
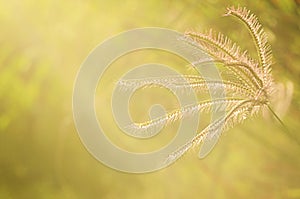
<point>284,126</point>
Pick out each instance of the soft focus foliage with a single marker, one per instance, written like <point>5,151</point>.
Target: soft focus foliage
<point>42,46</point>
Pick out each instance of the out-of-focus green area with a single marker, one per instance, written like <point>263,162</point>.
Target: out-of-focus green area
<point>42,45</point>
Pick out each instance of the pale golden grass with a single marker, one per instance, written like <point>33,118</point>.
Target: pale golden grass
<point>247,81</point>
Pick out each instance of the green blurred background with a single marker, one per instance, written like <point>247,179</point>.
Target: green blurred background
<point>42,45</point>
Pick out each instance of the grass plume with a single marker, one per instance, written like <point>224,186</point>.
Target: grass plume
<point>248,81</point>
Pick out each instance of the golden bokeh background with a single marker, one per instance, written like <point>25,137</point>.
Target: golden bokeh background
<point>42,45</point>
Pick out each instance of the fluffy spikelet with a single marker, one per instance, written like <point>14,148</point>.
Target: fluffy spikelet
<point>229,54</point>
<point>258,34</point>
<point>220,46</point>
<point>186,83</point>
<point>149,127</point>
<point>238,114</point>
